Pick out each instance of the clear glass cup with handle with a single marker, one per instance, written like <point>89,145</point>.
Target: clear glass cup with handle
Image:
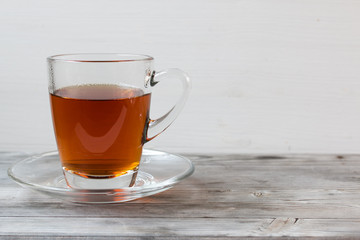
<point>100,106</point>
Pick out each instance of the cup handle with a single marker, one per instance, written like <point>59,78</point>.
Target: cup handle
<point>159,125</point>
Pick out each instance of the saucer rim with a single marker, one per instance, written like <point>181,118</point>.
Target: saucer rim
<point>111,191</point>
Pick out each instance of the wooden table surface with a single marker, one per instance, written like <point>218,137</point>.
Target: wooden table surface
<point>228,196</point>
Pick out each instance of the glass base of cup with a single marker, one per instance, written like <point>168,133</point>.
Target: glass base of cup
<point>77,181</point>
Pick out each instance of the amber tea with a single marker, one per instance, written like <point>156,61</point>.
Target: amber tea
<point>100,129</point>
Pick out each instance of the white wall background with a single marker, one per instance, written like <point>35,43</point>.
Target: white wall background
<point>270,76</point>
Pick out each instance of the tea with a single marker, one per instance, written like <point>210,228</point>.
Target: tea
<point>100,129</point>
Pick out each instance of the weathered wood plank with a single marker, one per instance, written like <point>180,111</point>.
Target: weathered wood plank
<point>192,227</point>
<point>32,237</point>
<point>324,205</point>
<point>259,196</point>
<point>37,237</point>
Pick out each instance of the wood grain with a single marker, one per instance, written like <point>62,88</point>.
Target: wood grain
<point>229,196</point>
<point>269,76</point>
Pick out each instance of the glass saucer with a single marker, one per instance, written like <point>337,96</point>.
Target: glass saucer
<point>158,172</point>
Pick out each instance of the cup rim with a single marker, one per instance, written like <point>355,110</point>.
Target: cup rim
<point>99,57</point>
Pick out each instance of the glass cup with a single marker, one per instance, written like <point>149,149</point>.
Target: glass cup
<point>100,109</point>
